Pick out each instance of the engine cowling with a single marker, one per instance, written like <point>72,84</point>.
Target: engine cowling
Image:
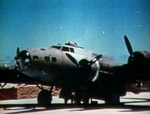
<point>140,60</point>
<point>139,57</point>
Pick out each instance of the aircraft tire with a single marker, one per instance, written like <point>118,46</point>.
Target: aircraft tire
<point>86,99</point>
<point>112,99</point>
<point>44,97</point>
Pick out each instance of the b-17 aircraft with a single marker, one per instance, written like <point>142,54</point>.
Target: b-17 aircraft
<point>82,71</point>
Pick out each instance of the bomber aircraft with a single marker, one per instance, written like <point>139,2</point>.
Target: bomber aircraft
<point>82,71</point>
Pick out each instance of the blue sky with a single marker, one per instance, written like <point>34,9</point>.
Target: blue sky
<point>98,25</point>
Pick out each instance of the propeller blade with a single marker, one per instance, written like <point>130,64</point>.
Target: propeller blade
<point>128,45</point>
<point>17,51</point>
<point>72,59</point>
<point>95,59</point>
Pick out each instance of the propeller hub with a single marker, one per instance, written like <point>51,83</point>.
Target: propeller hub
<point>23,60</point>
<point>138,58</point>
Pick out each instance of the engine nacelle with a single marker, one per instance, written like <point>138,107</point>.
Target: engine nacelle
<point>139,57</point>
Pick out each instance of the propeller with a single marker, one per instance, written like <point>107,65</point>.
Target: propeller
<point>72,59</point>
<point>130,50</point>
<point>128,45</point>
<point>84,66</point>
<point>137,58</point>
<point>83,62</point>
<point>17,51</point>
<point>138,62</point>
<point>95,59</point>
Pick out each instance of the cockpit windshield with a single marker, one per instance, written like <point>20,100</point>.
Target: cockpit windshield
<point>56,47</point>
<point>63,48</point>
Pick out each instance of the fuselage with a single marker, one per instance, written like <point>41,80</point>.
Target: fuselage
<point>50,64</point>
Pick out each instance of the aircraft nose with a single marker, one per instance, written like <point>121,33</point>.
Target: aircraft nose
<point>23,60</point>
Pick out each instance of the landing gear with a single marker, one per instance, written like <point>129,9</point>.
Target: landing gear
<point>86,94</point>
<point>112,99</point>
<point>86,99</point>
<point>45,97</point>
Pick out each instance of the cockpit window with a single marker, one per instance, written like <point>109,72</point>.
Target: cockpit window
<point>72,50</point>
<point>56,47</point>
<point>65,49</point>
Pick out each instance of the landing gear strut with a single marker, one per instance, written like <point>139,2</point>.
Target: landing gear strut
<point>45,97</point>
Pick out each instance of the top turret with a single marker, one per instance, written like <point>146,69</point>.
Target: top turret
<point>73,44</point>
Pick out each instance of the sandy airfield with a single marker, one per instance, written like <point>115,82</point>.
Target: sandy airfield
<point>133,104</point>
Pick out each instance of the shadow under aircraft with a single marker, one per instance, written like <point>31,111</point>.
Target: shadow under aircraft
<point>82,74</point>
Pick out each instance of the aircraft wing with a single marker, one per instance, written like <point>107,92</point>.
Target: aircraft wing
<point>10,75</point>
<point>143,86</point>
